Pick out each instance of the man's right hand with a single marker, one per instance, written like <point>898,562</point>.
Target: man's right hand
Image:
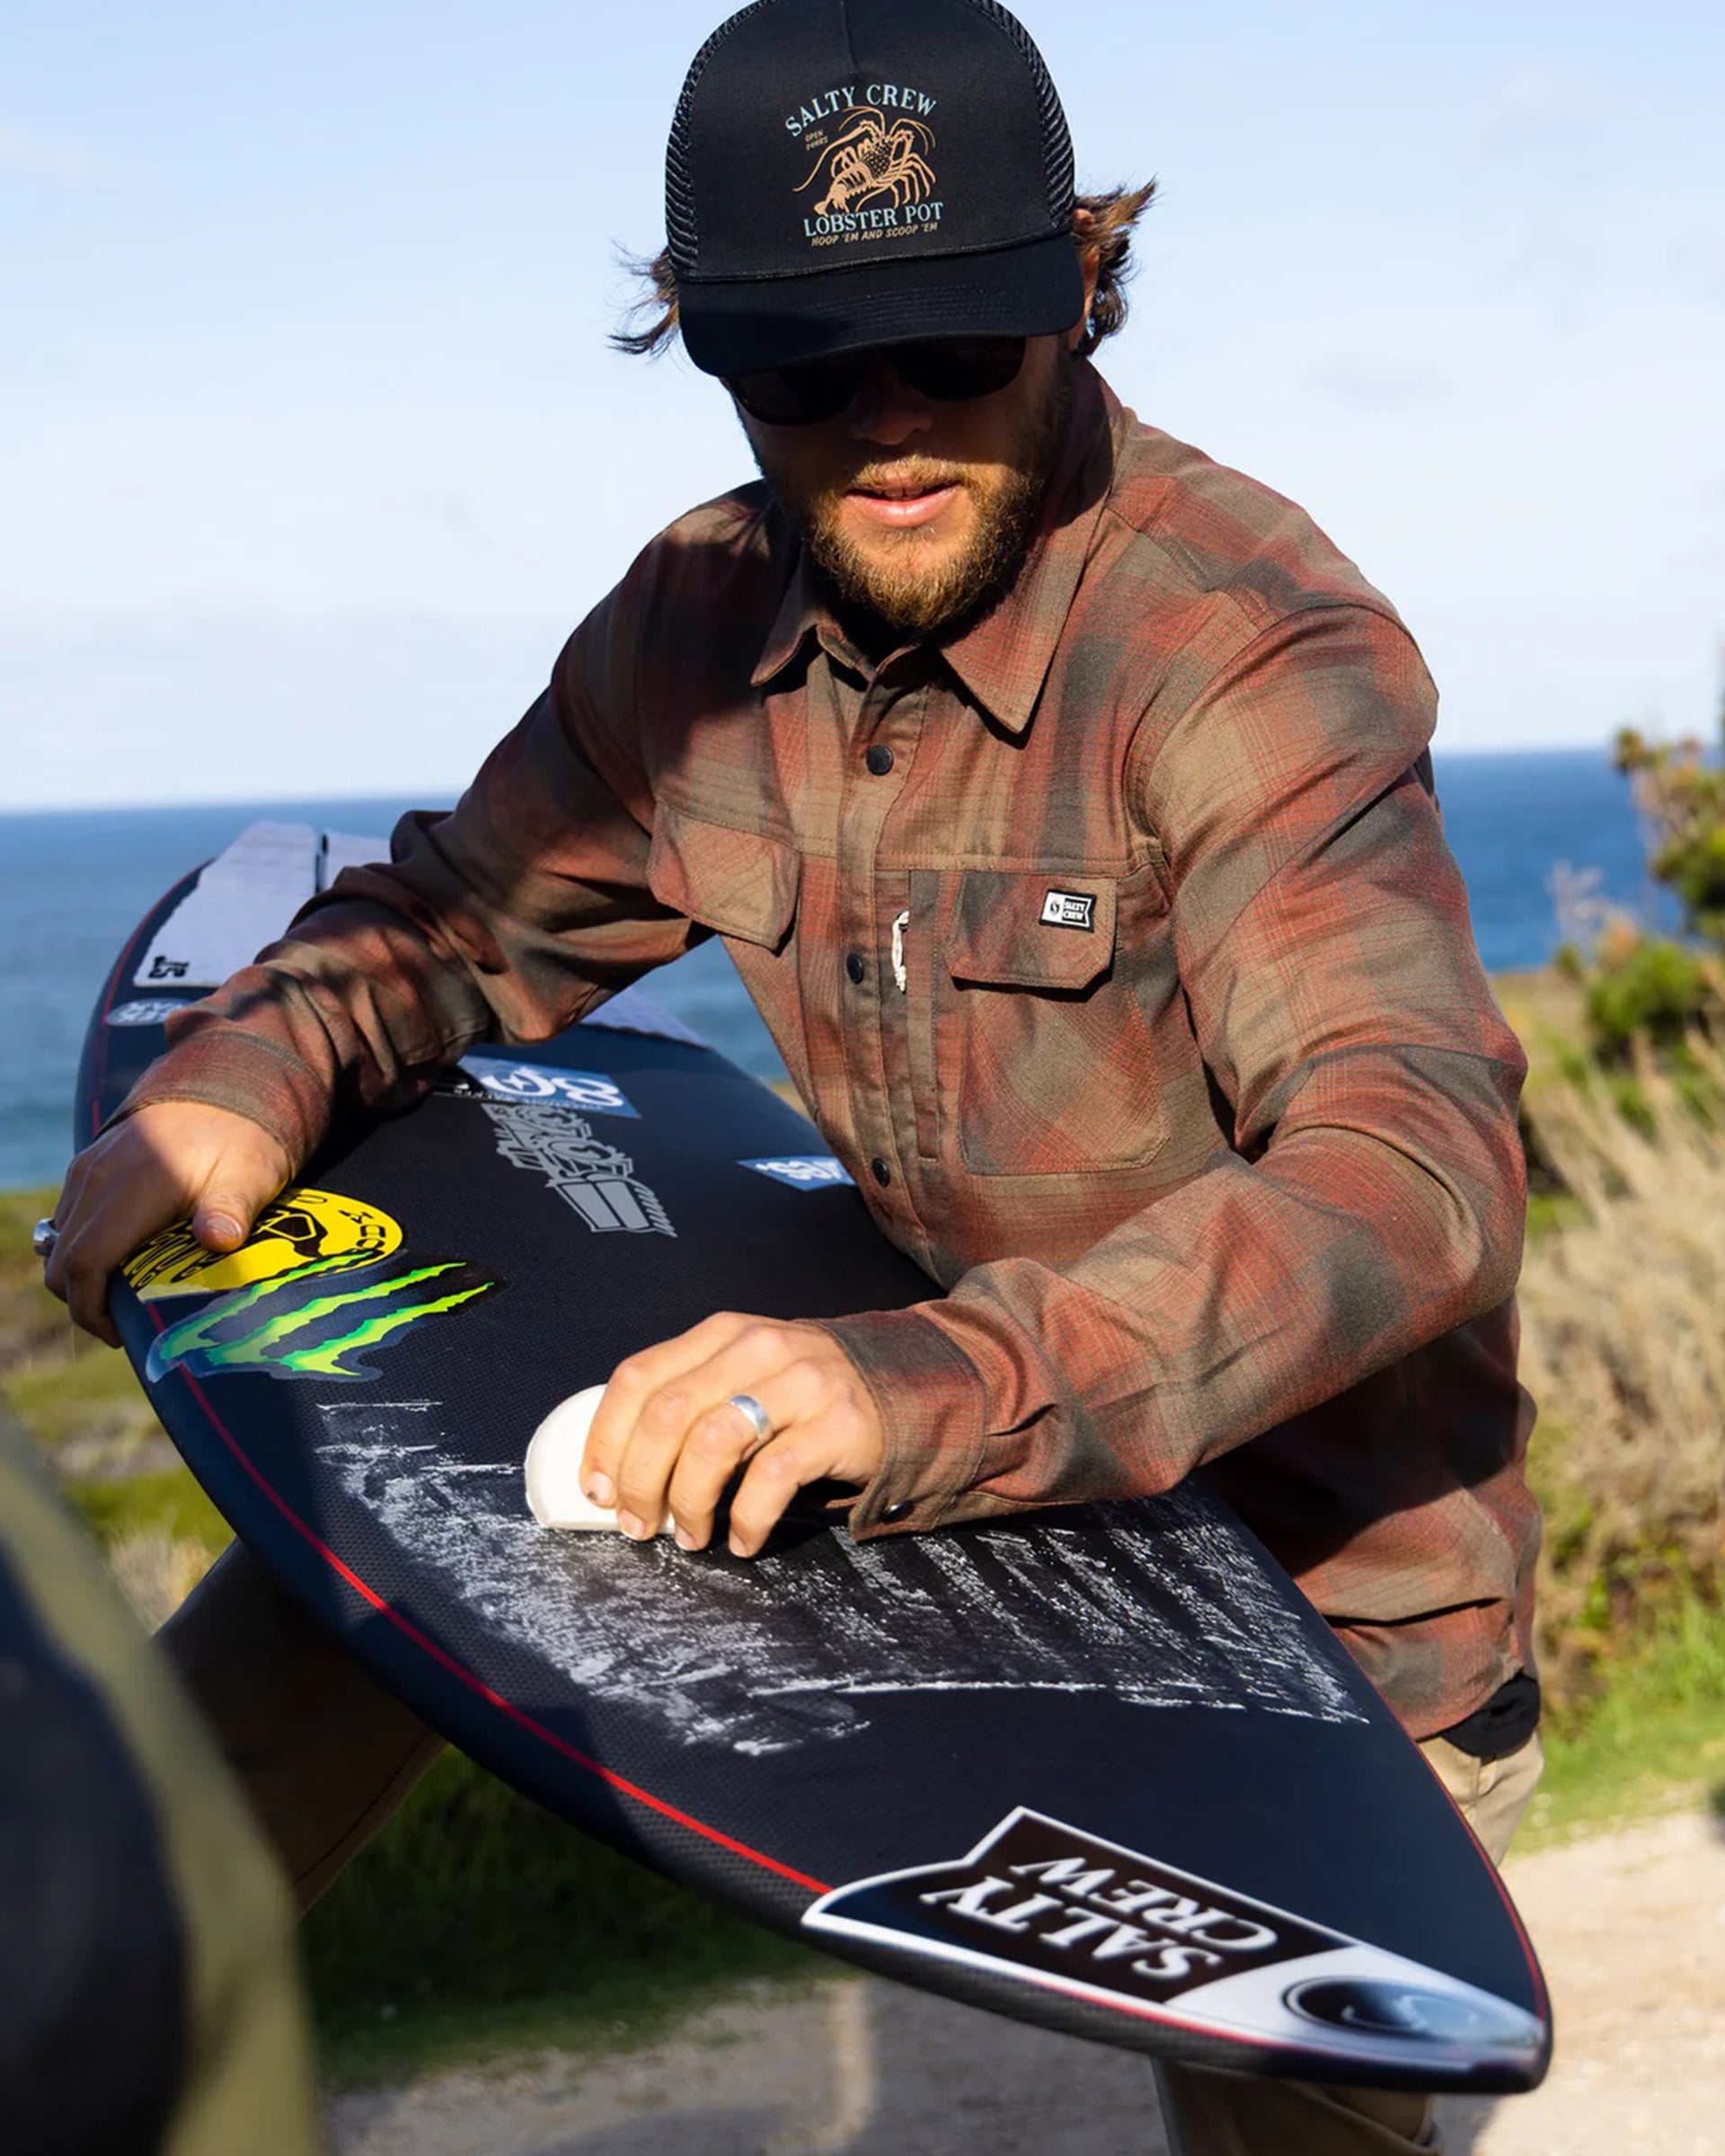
<point>168,1160</point>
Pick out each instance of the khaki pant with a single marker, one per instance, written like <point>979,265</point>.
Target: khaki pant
<point>324,1752</point>
<point>327,1755</point>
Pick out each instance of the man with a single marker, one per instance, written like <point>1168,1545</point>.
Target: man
<point>1064,800</point>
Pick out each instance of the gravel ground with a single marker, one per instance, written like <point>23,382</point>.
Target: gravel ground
<point>1630,1924</point>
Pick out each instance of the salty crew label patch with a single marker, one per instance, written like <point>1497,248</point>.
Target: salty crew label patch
<point>1069,909</point>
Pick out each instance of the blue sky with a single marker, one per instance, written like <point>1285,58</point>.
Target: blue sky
<point>312,451</point>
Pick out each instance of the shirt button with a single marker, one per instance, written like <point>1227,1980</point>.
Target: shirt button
<point>898,1510</point>
<point>878,760</point>
<point>855,967</point>
<point>878,1169</point>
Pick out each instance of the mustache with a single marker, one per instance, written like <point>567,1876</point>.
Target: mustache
<point>913,474</point>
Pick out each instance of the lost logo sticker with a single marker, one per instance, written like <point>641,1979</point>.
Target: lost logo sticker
<point>300,1228</point>
<point>498,1079</point>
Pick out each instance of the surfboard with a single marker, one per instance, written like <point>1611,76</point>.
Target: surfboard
<point>1099,1767</point>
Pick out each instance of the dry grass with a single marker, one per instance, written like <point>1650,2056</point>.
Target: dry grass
<point>156,1571</point>
<point>1624,1315</point>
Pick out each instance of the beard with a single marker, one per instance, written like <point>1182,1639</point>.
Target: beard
<point>907,581</point>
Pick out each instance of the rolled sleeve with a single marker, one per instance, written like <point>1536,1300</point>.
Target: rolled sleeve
<point>931,1402</point>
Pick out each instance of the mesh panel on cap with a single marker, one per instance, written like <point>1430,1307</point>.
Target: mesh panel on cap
<point>1056,137</point>
<point>679,194</point>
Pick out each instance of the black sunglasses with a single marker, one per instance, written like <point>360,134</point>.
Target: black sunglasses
<point>952,372</point>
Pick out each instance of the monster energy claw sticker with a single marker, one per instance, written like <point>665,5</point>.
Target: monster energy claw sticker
<point>318,1322</point>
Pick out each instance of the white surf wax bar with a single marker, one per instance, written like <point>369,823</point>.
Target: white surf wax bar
<point>555,1497</point>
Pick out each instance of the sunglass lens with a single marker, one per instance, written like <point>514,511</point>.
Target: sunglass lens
<point>953,371</point>
<point>796,396</point>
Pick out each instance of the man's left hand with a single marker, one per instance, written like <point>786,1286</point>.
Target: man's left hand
<point>668,1436</point>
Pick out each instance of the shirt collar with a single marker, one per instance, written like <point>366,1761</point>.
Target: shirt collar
<point>1004,659</point>
<point>800,616</point>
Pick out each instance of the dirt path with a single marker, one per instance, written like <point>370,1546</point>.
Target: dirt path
<point>1631,1926</point>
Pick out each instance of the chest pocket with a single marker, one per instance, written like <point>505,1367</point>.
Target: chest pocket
<point>1054,989</point>
<point>742,883</point>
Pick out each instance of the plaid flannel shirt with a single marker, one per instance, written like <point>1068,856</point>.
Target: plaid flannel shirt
<point>1194,1095</point>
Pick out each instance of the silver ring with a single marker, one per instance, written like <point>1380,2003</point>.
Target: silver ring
<point>754,1414</point>
<point>43,1236</point>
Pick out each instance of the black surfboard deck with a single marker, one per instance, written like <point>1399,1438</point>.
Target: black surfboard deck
<point>1102,1768</point>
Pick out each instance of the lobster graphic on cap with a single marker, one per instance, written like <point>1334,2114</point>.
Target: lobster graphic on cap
<point>870,159</point>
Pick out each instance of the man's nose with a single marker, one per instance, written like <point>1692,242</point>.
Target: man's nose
<point>888,411</point>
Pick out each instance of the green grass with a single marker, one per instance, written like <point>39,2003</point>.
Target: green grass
<point>84,1390</point>
<point>1549,1212</point>
<point>478,1924</point>
<point>171,1504</point>
<point>1655,1740</point>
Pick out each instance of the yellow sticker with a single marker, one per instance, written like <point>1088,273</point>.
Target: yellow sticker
<point>299,1228</point>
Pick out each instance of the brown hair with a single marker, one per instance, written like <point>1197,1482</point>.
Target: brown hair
<point>1099,223</point>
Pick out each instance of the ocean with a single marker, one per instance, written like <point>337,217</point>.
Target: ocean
<point>73,885</point>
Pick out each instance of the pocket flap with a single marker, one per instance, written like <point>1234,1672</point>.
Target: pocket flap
<point>742,883</point>
<point>1040,930</point>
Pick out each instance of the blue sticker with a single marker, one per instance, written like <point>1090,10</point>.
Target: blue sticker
<point>153,1011</point>
<point>533,1082</point>
<point>807,1171</point>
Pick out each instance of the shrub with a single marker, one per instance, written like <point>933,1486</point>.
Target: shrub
<point>1649,988</point>
<point>1625,1355</point>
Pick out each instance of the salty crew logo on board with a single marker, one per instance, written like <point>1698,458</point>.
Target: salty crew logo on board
<point>872,145</point>
<point>1061,1906</point>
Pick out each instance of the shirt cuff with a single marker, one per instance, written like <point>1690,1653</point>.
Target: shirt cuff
<point>930,1401</point>
<point>225,1066</point>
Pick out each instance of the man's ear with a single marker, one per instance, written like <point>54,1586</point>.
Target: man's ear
<point>1090,262</point>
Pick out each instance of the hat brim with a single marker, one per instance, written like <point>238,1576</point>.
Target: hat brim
<point>743,326</point>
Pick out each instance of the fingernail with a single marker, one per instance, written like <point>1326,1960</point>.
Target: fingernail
<point>600,1491</point>
<point>738,1548</point>
<point>683,1538</point>
<point>636,1530</point>
<point>226,1226</point>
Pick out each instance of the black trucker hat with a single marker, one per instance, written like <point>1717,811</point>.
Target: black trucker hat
<point>850,172</point>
